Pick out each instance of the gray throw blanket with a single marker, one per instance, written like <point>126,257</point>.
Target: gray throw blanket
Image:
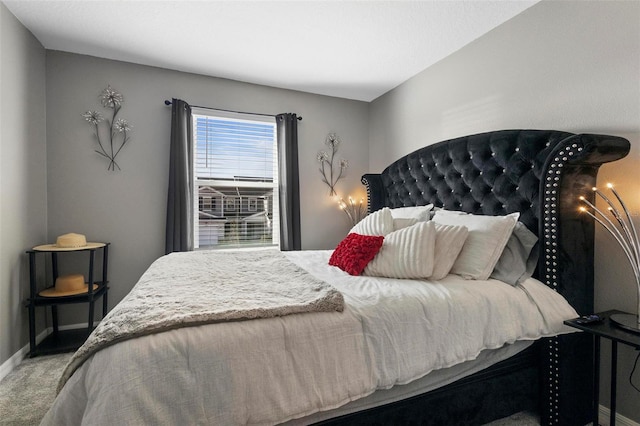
<point>193,288</point>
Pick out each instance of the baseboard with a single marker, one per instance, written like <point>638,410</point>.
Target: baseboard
<point>73,326</point>
<point>9,365</point>
<point>603,418</point>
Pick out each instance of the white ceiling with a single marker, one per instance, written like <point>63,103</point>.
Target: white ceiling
<point>350,49</point>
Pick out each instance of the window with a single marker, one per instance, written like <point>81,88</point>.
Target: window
<point>236,175</point>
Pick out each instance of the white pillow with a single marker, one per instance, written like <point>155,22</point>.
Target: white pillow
<point>407,253</point>
<point>420,213</point>
<point>487,237</point>
<point>403,223</point>
<point>377,223</point>
<point>449,242</point>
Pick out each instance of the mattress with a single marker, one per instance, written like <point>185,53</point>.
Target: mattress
<point>269,371</point>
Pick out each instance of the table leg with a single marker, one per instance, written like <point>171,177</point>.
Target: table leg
<point>105,281</point>
<point>105,302</point>
<point>614,379</point>
<point>32,329</point>
<point>596,378</point>
<point>90,324</point>
<point>54,318</point>
<point>32,307</point>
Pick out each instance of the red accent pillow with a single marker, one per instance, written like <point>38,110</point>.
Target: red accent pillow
<point>355,252</point>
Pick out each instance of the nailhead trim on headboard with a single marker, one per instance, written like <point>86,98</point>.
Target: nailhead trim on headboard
<point>551,218</point>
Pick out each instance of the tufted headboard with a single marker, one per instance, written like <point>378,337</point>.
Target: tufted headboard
<point>541,174</point>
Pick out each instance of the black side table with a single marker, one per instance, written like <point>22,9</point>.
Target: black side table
<point>68,340</point>
<point>617,335</point>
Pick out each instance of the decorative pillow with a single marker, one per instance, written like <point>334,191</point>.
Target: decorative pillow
<point>407,253</point>
<point>403,223</point>
<point>487,238</point>
<point>449,242</point>
<point>518,259</point>
<point>420,213</point>
<point>354,252</point>
<point>377,223</point>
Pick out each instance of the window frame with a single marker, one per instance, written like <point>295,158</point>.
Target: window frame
<point>274,220</point>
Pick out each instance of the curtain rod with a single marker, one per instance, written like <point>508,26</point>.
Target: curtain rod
<point>167,102</point>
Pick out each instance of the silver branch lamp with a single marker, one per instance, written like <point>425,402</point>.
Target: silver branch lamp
<point>621,227</point>
<point>355,211</point>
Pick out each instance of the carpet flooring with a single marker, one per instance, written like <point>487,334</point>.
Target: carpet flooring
<point>27,393</point>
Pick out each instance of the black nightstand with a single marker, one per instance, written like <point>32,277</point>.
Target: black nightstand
<point>67,340</point>
<point>617,335</point>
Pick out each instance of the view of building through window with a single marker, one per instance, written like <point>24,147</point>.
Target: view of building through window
<point>235,168</point>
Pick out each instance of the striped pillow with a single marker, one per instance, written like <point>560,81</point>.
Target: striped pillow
<point>377,223</point>
<point>406,253</point>
<point>449,242</point>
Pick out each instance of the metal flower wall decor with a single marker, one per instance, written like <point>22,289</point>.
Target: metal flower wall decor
<point>117,127</point>
<point>326,159</point>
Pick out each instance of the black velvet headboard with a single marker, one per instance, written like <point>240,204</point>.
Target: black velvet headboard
<point>538,173</point>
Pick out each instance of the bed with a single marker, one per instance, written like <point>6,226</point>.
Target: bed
<point>360,356</point>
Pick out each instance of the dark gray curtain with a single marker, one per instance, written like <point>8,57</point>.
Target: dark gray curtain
<point>180,200</point>
<point>288,186</point>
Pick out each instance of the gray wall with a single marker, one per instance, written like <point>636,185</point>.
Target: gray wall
<point>23,209</point>
<point>128,207</point>
<point>571,66</point>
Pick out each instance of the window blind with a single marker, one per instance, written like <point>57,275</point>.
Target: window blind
<point>233,149</point>
<point>235,166</point>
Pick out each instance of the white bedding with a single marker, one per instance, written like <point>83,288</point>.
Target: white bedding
<point>203,287</point>
<point>272,370</point>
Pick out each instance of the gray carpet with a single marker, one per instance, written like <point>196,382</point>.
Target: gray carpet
<point>27,393</point>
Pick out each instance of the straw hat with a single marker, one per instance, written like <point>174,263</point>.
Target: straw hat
<point>68,285</point>
<point>69,242</point>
